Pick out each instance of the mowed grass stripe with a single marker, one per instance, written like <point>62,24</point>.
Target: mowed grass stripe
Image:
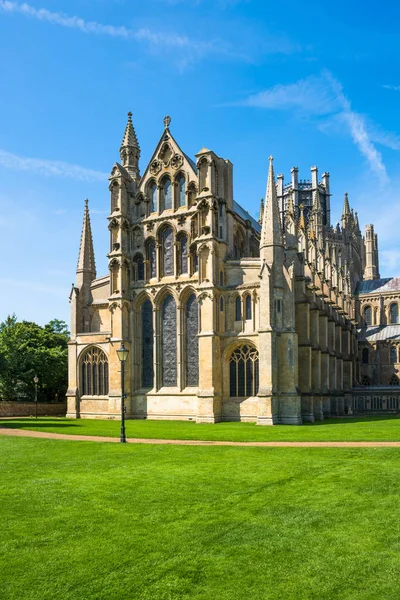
<point>160,522</point>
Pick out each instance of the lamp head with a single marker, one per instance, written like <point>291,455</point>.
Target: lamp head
<point>36,379</point>
<point>122,353</point>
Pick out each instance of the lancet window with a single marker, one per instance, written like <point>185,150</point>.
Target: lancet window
<point>394,313</point>
<point>248,308</point>
<point>147,345</point>
<point>192,342</point>
<point>182,190</point>
<point>153,197</point>
<point>166,194</point>
<point>168,251</point>
<point>243,372</point>
<point>368,315</point>
<point>238,309</point>
<point>183,254</point>
<point>138,268</point>
<point>151,258</point>
<point>94,372</point>
<point>168,342</point>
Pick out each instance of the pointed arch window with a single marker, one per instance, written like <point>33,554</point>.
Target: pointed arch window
<point>168,342</point>
<point>167,194</point>
<point>394,313</point>
<point>138,268</point>
<point>393,355</point>
<point>168,251</point>
<point>94,373</point>
<point>243,372</point>
<point>151,258</point>
<point>248,308</point>
<point>394,380</point>
<point>238,309</point>
<point>183,254</point>
<point>153,197</point>
<point>192,342</point>
<point>147,345</point>
<point>182,190</point>
<point>368,315</point>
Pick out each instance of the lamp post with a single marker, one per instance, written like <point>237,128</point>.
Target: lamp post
<point>36,381</point>
<point>122,355</point>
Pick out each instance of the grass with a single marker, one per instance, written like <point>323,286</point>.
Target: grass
<point>371,428</point>
<point>111,521</point>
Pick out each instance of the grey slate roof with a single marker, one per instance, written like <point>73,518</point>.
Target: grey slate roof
<point>372,286</point>
<point>377,333</point>
<point>246,216</point>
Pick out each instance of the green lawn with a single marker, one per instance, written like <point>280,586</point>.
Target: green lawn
<point>379,428</point>
<point>112,521</point>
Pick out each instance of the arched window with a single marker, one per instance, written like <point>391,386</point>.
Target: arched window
<point>365,380</point>
<point>221,278</point>
<point>153,197</point>
<point>168,251</point>
<point>221,304</point>
<point>194,259</point>
<point>138,268</point>
<point>183,254</point>
<point>394,313</point>
<point>166,194</point>
<point>243,372</point>
<point>168,342</point>
<point>248,307</point>
<point>238,244</point>
<point>238,309</point>
<point>151,257</point>
<point>365,356</point>
<point>394,380</point>
<point>192,342</point>
<point>182,190</point>
<point>393,355</point>
<point>94,372</point>
<point>147,345</point>
<point>368,315</point>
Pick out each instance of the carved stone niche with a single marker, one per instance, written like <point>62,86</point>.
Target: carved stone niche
<point>165,154</point>
<point>155,167</point>
<point>177,161</point>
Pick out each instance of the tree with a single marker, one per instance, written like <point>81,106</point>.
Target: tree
<point>26,350</point>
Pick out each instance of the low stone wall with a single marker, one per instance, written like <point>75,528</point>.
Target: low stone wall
<point>26,409</point>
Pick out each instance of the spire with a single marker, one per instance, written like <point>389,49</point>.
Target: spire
<point>346,207</point>
<point>260,218</point>
<point>130,150</point>
<point>271,232</point>
<point>316,201</point>
<point>302,221</point>
<point>86,262</point>
<point>290,209</point>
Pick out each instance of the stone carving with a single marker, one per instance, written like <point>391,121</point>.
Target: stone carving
<point>177,161</point>
<point>155,167</point>
<point>165,154</point>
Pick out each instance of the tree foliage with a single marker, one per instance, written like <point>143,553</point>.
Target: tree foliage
<point>26,350</point>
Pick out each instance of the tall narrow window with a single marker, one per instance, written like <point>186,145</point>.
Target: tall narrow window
<point>365,356</point>
<point>153,198</point>
<point>221,278</point>
<point>183,254</point>
<point>147,345</point>
<point>182,190</point>
<point>138,268</point>
<point>168,251</point>
<point>248,308</point>
<point>151,257</point>
<point>192,342</point>
<point>394,313</point>
<point>243,372</point>
<point>221,304</point>
<point>368,315</point>
<point>94,373</point>
<point>238,309</point>
<point>167,194</point>
<point>393,355</point>
<point>168,342</point>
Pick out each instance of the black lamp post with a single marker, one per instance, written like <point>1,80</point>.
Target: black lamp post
<point>122,355</point>
<point>36,381</point>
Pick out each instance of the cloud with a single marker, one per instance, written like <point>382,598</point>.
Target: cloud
<point>396,88</point>
<point>48,168</point>
<point>323,96</point>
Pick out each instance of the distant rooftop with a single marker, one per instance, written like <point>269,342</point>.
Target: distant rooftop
<point>377,333</point>
<point>371,286</point>
<point>246,216</point>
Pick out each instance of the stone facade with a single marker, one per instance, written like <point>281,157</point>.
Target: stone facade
<point>224,317</point>
<point>11,408</point>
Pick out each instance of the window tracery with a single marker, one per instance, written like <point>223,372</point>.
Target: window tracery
<point>147,345</point>
<point>243,372</point>
<point>192,342</point>
<point>94,372</point>
<point>168,251</point>
<point>168,342</point>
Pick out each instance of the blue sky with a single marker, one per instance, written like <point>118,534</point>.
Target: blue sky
<point>309,83</point>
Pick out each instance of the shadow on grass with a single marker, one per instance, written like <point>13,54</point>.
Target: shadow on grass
<point>351,420</point>
<point>32,422</point>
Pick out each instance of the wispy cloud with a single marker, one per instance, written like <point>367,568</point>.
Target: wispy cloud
<point>395,88</point>
<point>323,96</point>
<point>191,48</point>
<point>49,167</point>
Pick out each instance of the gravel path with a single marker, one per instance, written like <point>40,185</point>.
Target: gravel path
<point>94,438</point>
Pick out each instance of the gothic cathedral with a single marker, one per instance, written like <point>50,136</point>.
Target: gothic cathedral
<point>225,318</point>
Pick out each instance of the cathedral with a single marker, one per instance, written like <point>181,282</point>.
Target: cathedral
<point>226,318</point>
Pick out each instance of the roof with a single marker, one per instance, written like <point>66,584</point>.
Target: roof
<point>379,333</point>
<point>373,286</point>
<point>246,216</point>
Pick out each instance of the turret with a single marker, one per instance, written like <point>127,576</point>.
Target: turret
<point>371,270</point>
<point>346,213</point>
<point>130,150</point>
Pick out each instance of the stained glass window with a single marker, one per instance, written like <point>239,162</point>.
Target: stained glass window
<point>153,197</point>
<point>394,313</point>
<point>192,342</point>
<point>238,309</point>
<point>248,307</point>
<point>168,251</point>
<point>243,372</point>
<point>167,194</point>
<point>168,342</point>
<point>183,254</point>
<point>147,345</point>
<point>182,190</point>
<point>151,250</point>
<point>94,373</point>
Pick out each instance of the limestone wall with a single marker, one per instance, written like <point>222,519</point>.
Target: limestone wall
<point>9,408</point>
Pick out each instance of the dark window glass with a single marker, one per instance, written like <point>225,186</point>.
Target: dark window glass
<point>183,251</point>
<point>168,343</point>
<point>94,373</point>
<point>394,313</point>
<point>168,251</point>
<point>221,304</point>
<point>167,192</point>
<point>221,278</point>
<point>238,309</point>
<point>182,191</point>
<point>138,267</point>
<point>147,345</point>
<point>365,356</point>
<point>243,372</point>
<point>394,380</point>
<point>220,232</point>
<point>393,355</point>
<point>152,258</point>
<point>248,307</point>
<point>153,197</point>
<point>192,342</point>
<point>368,315</point>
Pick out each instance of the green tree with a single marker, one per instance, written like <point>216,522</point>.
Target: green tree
<point>26,350</point>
